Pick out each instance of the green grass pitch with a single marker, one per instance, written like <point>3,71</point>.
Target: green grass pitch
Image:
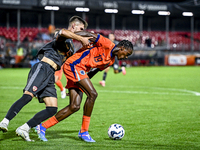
<point>158,107</point>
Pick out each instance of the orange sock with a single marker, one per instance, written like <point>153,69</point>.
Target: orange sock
<point>50,122</point>
<point>59,84</point>
<point>85,124</point>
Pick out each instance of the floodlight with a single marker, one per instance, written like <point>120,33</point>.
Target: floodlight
<point>51,8</point>
<point>81,9</point>
<point>111,11</point>
<point>164,13</point>
<point>187,14</point>
<point>138,12</point>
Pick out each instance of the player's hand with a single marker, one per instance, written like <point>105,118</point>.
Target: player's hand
<point>85,41</point>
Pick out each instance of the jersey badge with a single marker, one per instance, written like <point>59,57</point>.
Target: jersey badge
<point>82,72</point>
<point>34,88</point>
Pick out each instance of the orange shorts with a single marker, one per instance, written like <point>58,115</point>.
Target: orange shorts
<point>71,84</point>
<point>59,73</point>
<point>74,74</point>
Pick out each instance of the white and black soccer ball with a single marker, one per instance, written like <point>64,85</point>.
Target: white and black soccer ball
<point>116,131</point>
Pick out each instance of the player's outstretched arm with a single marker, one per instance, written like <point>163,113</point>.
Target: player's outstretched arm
<point>92,36</point>
<point>70,35</point>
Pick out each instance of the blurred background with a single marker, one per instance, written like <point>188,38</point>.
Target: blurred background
<point>162,32</point>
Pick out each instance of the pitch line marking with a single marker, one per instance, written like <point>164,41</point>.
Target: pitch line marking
<point>7,87</point>
<point>159,88</point>
<point>186,92</point>
<point>139,92</point>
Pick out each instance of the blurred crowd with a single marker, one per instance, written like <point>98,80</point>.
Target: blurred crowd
<point>23,54</point>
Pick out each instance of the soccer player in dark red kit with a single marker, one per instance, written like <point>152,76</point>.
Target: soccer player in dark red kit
<point>100,56</point>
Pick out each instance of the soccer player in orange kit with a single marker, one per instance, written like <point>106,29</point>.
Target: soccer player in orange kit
<point>58,77</point>
<point>100,56</point>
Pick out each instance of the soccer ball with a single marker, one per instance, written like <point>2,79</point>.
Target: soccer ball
<point>116,131</point>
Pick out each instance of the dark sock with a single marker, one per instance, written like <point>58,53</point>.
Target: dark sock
<point>104,76</point>
<point>17,106</point>
<point>119,70</point>
<point>41,116</point>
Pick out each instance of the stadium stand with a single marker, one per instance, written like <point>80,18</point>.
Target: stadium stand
<point>148,32</point>
<point>178,40</point>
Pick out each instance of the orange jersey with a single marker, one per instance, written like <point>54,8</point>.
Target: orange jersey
<point>100,56</point>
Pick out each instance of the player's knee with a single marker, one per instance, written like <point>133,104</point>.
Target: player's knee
<point>28,93</point>
<point>93,95</point>
<point>75,108</point>
<point>52,110</point>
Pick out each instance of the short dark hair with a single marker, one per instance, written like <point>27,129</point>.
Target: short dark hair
<point>77,18</point>
<point>127,44</point>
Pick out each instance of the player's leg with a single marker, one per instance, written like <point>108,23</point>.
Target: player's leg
<point>116,67</point>
<point>103,82</point>
<point>60,85</point>
<point>74,105</point>
<point>87,86</point>
<point>57,83</point>
<point>75,96</point>
<point>124,68</point>
<point>25,99</point>
<point>58,77</point>
<point>14,110</point>
<point>47,94</point>
<point>51,109</point>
